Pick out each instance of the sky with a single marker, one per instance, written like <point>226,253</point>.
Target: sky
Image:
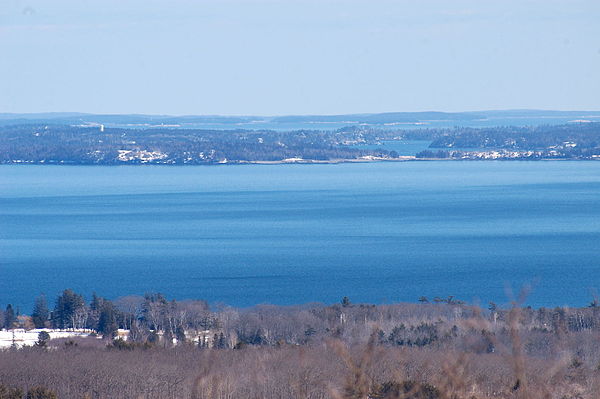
<point>278,57</point>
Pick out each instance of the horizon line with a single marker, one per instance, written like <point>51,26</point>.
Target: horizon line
<point>75,113</point>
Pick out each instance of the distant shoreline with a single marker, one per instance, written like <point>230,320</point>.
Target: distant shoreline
<point>304,162</point>
<point>32,144</point>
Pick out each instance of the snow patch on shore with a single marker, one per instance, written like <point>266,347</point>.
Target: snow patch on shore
<point>20,337</point>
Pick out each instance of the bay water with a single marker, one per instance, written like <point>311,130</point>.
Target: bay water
<point>289,234</point>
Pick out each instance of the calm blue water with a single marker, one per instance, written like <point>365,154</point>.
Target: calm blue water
<point>242,235</point>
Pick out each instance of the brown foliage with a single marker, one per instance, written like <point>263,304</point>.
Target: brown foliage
<point>444,351</point>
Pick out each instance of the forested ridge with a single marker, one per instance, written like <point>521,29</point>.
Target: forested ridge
<point>63,144</point>
<point>573,141</point>
<point>86,145</point>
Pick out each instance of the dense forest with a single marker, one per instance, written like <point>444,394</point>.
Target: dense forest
<point>85,145</point>
<point>435,349</point>
<point>111,146</point>
<point>578,141</point>
<point>570,141</point>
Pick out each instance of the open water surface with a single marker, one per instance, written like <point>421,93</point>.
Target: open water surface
<point>288,234</point>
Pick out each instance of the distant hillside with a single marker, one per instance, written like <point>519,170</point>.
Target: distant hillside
<point>62,144</point>
<point>50,143</point>
<point>321,122</point>
<point>388,117</point>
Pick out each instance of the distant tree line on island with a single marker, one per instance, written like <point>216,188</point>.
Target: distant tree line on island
<point>571,141</point>
<point>86,145</point>
<point>59,144</point>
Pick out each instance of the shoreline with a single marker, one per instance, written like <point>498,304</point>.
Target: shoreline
<point>410,158</point>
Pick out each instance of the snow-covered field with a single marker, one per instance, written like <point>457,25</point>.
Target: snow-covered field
<point>23,337</point>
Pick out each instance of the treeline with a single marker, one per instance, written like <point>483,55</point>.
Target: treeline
<point>570,141</point>
<point>141,316</point>
<point>583,135</point>
<point>93,145</point>
<point>96,145</point>
<point>438,349</point>
<point>153,319</point>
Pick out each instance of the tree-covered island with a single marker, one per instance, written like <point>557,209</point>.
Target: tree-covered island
<point>67,144</point>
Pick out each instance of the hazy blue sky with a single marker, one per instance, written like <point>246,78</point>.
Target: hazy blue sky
<point>297,56</point>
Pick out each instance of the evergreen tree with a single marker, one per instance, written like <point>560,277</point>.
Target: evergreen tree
<point>346,301</point>
<point>96,302</point>
<point>40,313</point>
<point>222,344</point>
<point>9,317</point>
<point>67,305</point>
<point>107,320</point>
<point>154,308</point>
<point>180,335</point>
<point>94,313</point>
<point>43,338</point>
